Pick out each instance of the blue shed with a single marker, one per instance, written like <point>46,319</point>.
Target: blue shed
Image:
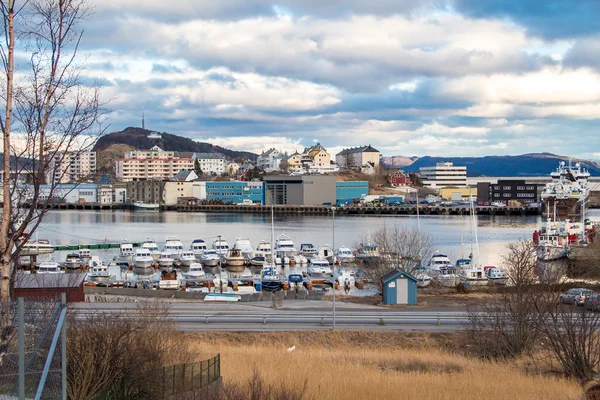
<point>399,287</point>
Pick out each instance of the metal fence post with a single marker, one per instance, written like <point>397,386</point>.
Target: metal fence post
<point>201,373</point>
<point>21,327</point>
<point>215,369</point>
<point>163,381</point>
<point>183,375</point>
<point>219,365</point>
<point>63,303</point>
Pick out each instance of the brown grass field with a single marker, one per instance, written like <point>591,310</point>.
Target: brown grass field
<point>375,365</point>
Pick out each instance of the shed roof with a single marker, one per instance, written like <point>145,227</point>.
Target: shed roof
<point>48,281</point>
<point>395,274</point>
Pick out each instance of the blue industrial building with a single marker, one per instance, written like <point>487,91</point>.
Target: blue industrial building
<point>399,287</point>
<point>236,192</point>
<point>347,191</point>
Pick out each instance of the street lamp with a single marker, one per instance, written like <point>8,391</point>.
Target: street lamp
<point>333,250</point>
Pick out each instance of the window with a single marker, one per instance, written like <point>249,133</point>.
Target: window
<point>506,187</point>
<point>530,188</point>
<point>496,194</point>
<point>505,194</point>
<point>496,187</point>
<point>520,187</point>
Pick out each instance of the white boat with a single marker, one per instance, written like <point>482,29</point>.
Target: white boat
<point>221,246</point>
<point>346,282</point>
<point>234,260</point>
<point>72,261</point>
<point>280,258</point>
<point>198,247</point>
<point>496,275</point>
<point>151,246</point>
<point>210,258</point>
<point>85,255</point>
<point>470,270</point>
<point>165,260</point>
<point>141,206</point>
<point>187,258</point>
<point>126,252</point>
<point>49,267</point>
<point>442,271</point>
<point>168,280</point>
<point>36,247</point>
<point>221,282</point>
<point>244,245</point>
<point>195,271</point>
<point>345,255</point>
<point>286,244</point>
<point>263,248</point>
<point>258,261</point>
<point>143,259</point>
<point>308,250</point>
<point>438,260</point>
<point>326,253</point>
<point>367,253</point>
<point>173,247</point>
<point>423,280</point>
<point>318,266</point>
<point>300,259</point>
<point>98,271</point>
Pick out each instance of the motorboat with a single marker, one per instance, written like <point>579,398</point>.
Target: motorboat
<point>318,266</point>
<point>126,252</point>
<point>258,261</point>
<point>345,255</point>
<point>37,247</point>
<point>49,267</point>
<point>442,271</point>
<point>220,282</point>
<point>173,247</point>
<point>245,246</point>
<point>496,275</point>
<point>187,258</point>
<point>168,280</point>
<point>300,259</point>
<point>210,258</point>
<point>263,248</point>
<point>85,255</point>
<point>270,280</point>
<point>98,271</point>
<point>234,260</point>
<point>438,260</point>
<point>221,246</point>
<point>143,259</point>
<point>151,246</point>
<point>473,274</point>
<point>367,253</point>
<point>346,282</point>
<point>295,281</point>
<point>308,250</point>
<point>280,257</point>
<point>423,280</point>
<point>195,271</point>
<point>72,261</point>
<point>198,247</point>
<point>326,253</point>
<point>141,206</point>
<point>165,260</point>
<point>286,244</point>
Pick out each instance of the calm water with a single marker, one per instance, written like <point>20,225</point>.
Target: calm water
<point>87,227</point>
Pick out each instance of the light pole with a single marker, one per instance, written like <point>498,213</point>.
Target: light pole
<point>333,250</point>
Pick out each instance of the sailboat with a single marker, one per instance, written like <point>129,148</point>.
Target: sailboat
<point>470,272</point>
<point>270,280</point>
<point>423,279</point>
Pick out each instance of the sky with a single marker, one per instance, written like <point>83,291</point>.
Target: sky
<point>431,77</point>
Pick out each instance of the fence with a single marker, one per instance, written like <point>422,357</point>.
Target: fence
<point>32,363</point>
<point>169,381</point>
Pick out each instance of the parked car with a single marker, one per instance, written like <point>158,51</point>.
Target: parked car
<point>575,296</point>
<point>592,301</point>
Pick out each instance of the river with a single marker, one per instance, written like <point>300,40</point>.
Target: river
<point>87,227</point>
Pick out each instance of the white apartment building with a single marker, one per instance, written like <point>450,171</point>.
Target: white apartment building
<point>357,157</point>
<point>270,160</point>
<point>130,169</point>
<point>211,163</point>
<point>444,174</point>
<point>71,166</point>
<point>154,152</point>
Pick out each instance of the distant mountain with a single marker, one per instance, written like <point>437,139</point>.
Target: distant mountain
<point>535,164</point>
<point>138,139</point>
<point>398,161</point>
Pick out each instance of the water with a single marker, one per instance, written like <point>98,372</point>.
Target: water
<point>87,227</point>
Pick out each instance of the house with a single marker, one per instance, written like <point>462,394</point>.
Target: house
<point>399,287</point>
<point>295,163</point>
<point>357,157</point>
<point>400,178</point>
<point>211,163</point>
<point>187,175</point>
<point>232,169</point>
<point>44,286</point>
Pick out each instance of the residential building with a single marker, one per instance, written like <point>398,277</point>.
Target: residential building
<point>62,193</point>
<point>316,158</point>
<point>131,169</point>
<point>109,193</point>
<point>400,178</point>
<point>295,163</point>
<point>347,191</point>
<point>232,168</point>
<point>505,190</point>
<point>186,175</point>
<point>300,190</point>
<point>236,192</point>
<point>357,157</point>
<point>444,174</point>
<point>71,166</point>
<point>269,160</point>
<point>211,163</point>
<point>154,152</point>
<point>148,191</point>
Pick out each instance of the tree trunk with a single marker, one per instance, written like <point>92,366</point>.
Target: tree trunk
<point>5,240</point>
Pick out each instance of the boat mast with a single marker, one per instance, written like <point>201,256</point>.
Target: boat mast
<point>474,222</point>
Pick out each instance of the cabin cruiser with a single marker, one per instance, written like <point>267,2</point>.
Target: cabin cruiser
<point>442,271</point>
<point>85,255</point>
<point>221,281</point>
<point>168,280</point>
<point>308,250</point>
<point>345,255</point>
<point>220,246</point>
<point>295,281</point>
<point>280,257</point>
<point>210,258</point>
<point>198,247</point>
<point>36,247</point>
<point>319,267</point>
<point>270,280</point>
<point>165,260</point>
<point>471,273</point>
<point>326,253</point>
<point>195,271</point>
<point>346,282</point>
<point>438,260</point>
<point>245,246</point>
<point>187,258</point>
<point>496,275</point>
<point>143,259</point>
<point>73,261</point>
<point>234,260</point>
<point>286,244</point>
<point>49,267</point>
<point>126,252</point>
<point>423,279</point>
<point>98,271</point>
<point>173,247</point>
<point>367,253</point>
<point>151,246</point>
<point>299,259</point>
<point>258,261</point>
<point>263,248</point>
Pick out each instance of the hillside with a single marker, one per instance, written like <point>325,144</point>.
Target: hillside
<point>535,164</point>
<point>398,161</point>
<point>138,138</point>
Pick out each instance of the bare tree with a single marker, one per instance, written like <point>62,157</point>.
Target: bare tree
<point>399,247</point>
<point>49,117</point>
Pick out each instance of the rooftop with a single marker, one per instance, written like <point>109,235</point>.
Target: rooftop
<point>362,149</point>
<point>48,281</point>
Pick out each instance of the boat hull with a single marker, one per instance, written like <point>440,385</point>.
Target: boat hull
<point>143,264</point>
<point>73,265</point>
<point>551,253</point>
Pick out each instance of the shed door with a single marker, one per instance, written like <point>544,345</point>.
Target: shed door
<point>402,291</point>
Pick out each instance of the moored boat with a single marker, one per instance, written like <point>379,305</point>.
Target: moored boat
<point>49,267</point>
<point>143,259</point>
<point>165,260</point>
<point>98,271</point>
<point>36,247</point>
<point>326,253</point>
<point>285,244</point>
<point>318,266</point>
<point>221,246</point>
<point>187,258</point>
<point>126,252</point>
<point>496,275</point>
<point>173,247</point>
<point>210,258</point>
<point>85,255</point>
<point>141,206</point>
<point>198,247</point>
<point>195,271</point>
<point>72,261</point>
<point>243,244</point>
<point>234,260</point>
<point>168,280</point>
<point>258,261</point>
<point>345,255</point>
<point>151,246</point>
<point>308,250</point>
<point>368,253</point>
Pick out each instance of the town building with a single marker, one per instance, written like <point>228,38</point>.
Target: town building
<point>154,152</point>
<point>236,192</point>
<point>295,163</point>
<point>232,168</point>
<point>443,174</point>
<point>270,160</point>
<point>458,193</point>
<point>109,193</point>
<point>300,190</point>
<point>71,166</point>
<point>151,164</point>
<point>42,287</point>
<point>148,191</point>
<point>211,163</point>
<point>357,157</point>
<point>347,191</point>
<point>507,190</point>
<point>187,175</point>
<point>400,179</point>
<point>316,159</point>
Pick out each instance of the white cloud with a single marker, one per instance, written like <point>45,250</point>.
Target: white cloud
<point>256,144</point>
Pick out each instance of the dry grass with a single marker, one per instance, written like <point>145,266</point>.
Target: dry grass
<point>382,365</point>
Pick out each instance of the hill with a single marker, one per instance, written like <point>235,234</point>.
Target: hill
<point>138,138</point>
<point>534,164</point>
<point>398,161</point>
